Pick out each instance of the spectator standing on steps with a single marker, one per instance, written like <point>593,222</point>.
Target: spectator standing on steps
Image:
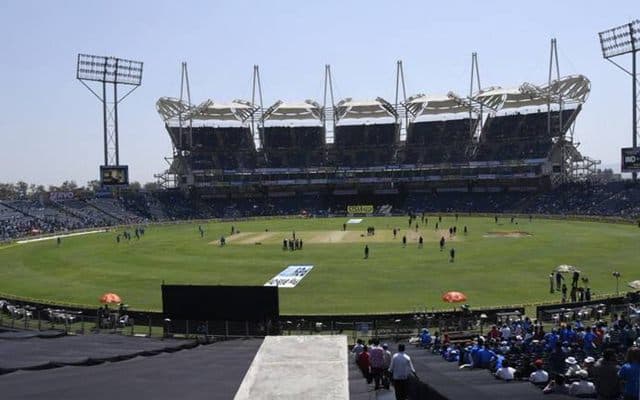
<point>376,357</point>
<point>401,369</point>
<point>364,363</point>
<point>386,377</point>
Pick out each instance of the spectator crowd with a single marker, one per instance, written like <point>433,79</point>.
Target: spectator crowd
<point>23,217</point>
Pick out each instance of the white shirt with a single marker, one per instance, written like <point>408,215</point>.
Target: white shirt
<point>539,376</point>
<point>505,333</point>
<point>582,387</point>
<point>401,366</point>
<point>572,370</point>
<point>505,373</point>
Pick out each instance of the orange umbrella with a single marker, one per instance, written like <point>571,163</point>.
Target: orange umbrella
<point>454,297</point>
<point>110,298</point>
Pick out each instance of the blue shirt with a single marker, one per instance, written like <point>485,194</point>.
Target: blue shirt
<point>473,355</point>
<point>484,357</point>
<point>589,337</point>
<point>499,360</point>
<point>630,374</point>
<point>425,338</point>
<point>551,339</point>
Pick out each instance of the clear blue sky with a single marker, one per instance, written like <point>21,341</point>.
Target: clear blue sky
<point>50,125</point>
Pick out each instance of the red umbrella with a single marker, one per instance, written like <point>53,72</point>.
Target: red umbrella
<point>110,298</point>
<point>454,297</point>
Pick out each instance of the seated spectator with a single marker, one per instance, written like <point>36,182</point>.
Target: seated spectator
<point>587,365</point>
<point>425,338</point>
<point>484,357</point>
<point>582,388</point>
<point>506,372</point>
<point>505,332</point>
<point>539,376</point>
<point>572,367</point>
<point>494,333</point>
<point>557,385</point>
<point>436,342</point>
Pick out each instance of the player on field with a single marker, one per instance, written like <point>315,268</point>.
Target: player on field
<point>366,251</point>
<point>559,279</point>
<point>452,254</point>
<point>442,242</point>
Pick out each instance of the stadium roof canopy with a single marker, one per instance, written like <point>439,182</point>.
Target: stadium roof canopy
<point>572,89</point>
<point>172,108</point>
<point>365,109</point>
<point>306,111</point>
<point>422,105</point>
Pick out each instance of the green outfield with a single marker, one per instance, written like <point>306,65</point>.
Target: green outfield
<point>495,264</point>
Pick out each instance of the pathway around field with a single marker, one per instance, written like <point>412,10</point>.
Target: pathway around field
<point>61,236</point>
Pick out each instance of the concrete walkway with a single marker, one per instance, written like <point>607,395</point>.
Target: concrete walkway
<point>298,367</point>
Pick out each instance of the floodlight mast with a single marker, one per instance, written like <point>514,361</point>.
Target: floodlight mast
<point>625,39</point>
<point>112,71</point>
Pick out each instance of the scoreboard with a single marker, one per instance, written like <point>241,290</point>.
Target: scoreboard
<point>630,159</point>
<point>114,175</point>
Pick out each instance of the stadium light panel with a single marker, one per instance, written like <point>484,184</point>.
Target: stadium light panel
<point>620,40</point>
<point>109,69</point>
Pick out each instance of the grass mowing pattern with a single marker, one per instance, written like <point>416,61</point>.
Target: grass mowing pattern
<point>490,270</point>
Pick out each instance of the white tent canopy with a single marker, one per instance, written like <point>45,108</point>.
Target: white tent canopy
<point>287,111</point>
<point>427,105</point>
<point>364,109</point>
<point>237,110</point>
<point>568,90</point>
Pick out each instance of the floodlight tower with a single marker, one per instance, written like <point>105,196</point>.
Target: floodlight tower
<point>625,39</point>
<point>109,71</point>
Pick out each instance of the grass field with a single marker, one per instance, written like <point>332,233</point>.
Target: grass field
<point>491,268</point>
